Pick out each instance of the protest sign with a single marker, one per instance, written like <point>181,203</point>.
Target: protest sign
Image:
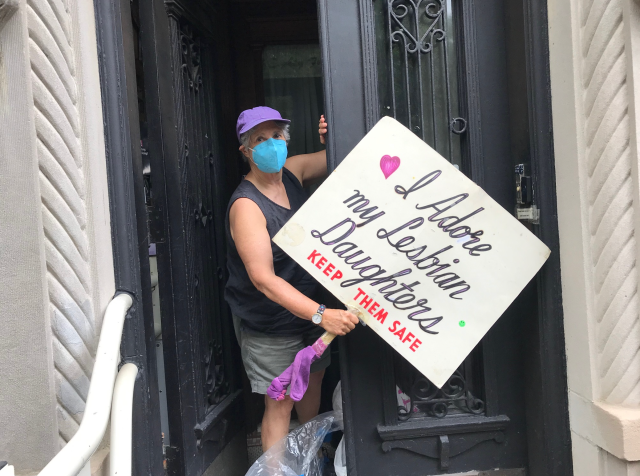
<point>426,256</point>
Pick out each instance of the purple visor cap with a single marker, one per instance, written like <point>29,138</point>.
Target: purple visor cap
<point>252,117</point>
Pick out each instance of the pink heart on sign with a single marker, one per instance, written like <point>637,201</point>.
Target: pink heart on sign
<point>389,164</point>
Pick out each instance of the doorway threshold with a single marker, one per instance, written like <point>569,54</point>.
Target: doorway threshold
<point>494,472</point>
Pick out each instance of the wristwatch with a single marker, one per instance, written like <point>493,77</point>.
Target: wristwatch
<point>317,317</point>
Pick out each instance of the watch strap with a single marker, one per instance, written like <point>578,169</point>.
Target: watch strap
<point>317,317</point>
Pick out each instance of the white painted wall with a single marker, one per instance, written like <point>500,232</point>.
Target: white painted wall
<point>594,83</point>
<point>56,268</point>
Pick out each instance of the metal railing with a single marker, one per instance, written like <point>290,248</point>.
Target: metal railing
<point>106,395</point>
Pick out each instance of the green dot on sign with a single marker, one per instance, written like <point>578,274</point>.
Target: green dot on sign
<point>462,323</point>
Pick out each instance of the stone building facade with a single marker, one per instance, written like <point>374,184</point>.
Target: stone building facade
<point>594,61</point>
<point>57,267</point>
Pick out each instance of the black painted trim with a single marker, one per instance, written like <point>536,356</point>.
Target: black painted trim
<point>369,57</point>
<point>446,426</point>
<point>388,387</point>
<point>473,160</point>
<point>156,47</point>
<point>129,222</point>
<point>345,110</point>
<point>325,55</point>
<point>347,406</point>
<point>215,426</point>
<point>548,425</point>
<point>199,14</point>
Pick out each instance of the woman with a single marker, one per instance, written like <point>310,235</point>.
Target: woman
<point>271,296</point>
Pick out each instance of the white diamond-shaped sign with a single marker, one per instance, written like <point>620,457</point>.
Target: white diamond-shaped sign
<point>425,255</point>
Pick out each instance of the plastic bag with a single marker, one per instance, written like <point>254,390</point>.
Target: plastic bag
<point>339,463</point>
<point>298,454</point>
<point>336,399</point>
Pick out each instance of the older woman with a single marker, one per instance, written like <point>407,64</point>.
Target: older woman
<point>271,296</point>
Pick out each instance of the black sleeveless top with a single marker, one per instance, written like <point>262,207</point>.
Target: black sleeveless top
<point>259,313</point>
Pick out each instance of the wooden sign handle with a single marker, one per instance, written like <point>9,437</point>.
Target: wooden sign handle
<point>327,338</point>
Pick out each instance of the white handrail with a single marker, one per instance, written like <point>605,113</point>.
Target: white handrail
<point>121,414</point>
<point>77,452</point>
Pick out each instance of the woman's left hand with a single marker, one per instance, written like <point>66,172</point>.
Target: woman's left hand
<point>322,130</point>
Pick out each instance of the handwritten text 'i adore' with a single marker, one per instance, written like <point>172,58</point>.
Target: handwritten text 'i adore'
<point>449,224</point>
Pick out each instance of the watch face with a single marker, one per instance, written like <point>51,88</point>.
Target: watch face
<point>316,319</point>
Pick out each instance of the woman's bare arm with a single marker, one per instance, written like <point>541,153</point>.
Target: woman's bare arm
<point>249,232</point>
<point>310,167</point>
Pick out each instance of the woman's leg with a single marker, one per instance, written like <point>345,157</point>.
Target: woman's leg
<point>308,407</point>
<point>275,422</point>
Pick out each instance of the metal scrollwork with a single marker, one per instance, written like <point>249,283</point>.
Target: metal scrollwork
<point>458,125</point>
<point>453,397</point>
<point>216,385</point>
<point>422,71</point>
<point>191,57</point>
<point>200,191</point>
<point>202,215</point>
<point>433,10</point>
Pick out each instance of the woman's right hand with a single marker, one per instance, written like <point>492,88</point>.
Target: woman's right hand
<point>338,322</point>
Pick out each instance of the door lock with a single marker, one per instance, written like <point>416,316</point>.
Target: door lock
<point>525,208</point>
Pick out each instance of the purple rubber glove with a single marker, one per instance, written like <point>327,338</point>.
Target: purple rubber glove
<point>297,374</point>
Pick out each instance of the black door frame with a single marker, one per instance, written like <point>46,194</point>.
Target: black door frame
<point>130,231</point>
<point>549,437</point>
<point>548,434</point>
<point>548,421</point>
<point>198,432</point>
<point>116,64</point>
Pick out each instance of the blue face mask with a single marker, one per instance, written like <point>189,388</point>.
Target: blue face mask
<point>270,155</point>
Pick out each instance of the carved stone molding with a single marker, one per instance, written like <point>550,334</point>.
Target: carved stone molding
<point>595,84</point>
<point>64,191</point>
<point>7,8</point>
<point>611,191</point>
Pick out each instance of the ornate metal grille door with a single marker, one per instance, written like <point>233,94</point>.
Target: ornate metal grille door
<point>418,85</point>
<point>420,64</point>
<point>202,223</point>
<point>417,70</point>
<point>189,197</point>
<point>424,400</point>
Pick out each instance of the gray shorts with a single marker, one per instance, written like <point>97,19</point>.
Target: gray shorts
<point>265,356</point>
